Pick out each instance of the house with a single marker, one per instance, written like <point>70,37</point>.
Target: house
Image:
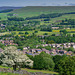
<point>62,51</point>
<point>55,27</point>
<point>37,46</point>
<point>43,49</point>
<point>25,48</point>
<point>69,53</point>
<point>57,51</point>
<point>53,51</point>
<point>2,25</point>
<point>8,42</point>
<point>38,51</point>
<point>47,51</point>
<point>32,50</point>
<point>57,35</point>
<point>58,45</point>
<point>74,46</point>
<point>53,45</point>
<point>30,54</point>
<point>49,44</point>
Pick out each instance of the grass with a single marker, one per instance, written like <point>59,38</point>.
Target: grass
<point>3,16</point>
<point>43,71</point>
<point>37,10</point>
<point>6,67</point>
<point>1,34</point>
<point>29,70</point>
<point>69,30</point>
<point>1,73</point>
<point>39,32</point>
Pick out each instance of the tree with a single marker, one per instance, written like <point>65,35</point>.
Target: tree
<point>73,35</point>
<point>36,31</point>
<point>43,61</point>
<point>71,49</point>
<point>12,57</point>
<point>63,31</point>
<point>20,32</point>
<point>45,33</point>
<point>56,60</point>
<point>67,66</point>
<point>26,33</point>
<point>50,42</point>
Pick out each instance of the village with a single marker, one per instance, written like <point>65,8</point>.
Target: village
<point>56,49</point>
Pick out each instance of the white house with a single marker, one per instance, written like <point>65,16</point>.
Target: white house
<point>74,46</point>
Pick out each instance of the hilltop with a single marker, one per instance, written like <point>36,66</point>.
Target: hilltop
<point>8,7</point>
<point>30,11</point>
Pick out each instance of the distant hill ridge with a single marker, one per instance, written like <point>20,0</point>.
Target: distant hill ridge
<point>8,7</point>
<point>30,11</point>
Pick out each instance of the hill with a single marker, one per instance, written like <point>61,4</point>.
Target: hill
<point>8,7</point>
<point>30,11</point>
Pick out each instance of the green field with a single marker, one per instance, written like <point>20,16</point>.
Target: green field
<point>3,16</point>
<point>30,11</point>
<point>37,10</point>
<point>39,32</point>
<point>8,73</point>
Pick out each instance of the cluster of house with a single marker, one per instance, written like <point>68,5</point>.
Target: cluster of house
<point>2,26</point>
<point>62,46</point>
<point>34,52</point>
<point>53,52</point>
<point>56,51</point>
<point>8,42</point>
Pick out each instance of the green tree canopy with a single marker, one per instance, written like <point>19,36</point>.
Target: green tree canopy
<point>43,61</point>
<point>67,66</point>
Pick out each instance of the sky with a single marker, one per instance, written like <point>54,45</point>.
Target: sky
<point>37,2</point>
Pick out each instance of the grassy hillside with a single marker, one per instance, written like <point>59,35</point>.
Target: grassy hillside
<point>8,7</point>
<point>4,15</point>
<point>30,11</point>
<point>37,10</point>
